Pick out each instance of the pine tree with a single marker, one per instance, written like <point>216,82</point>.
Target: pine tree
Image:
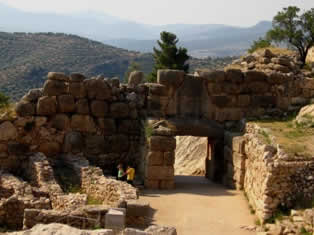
<point>169,56</point>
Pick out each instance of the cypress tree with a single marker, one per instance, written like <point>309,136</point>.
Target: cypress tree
<point>169,56</point>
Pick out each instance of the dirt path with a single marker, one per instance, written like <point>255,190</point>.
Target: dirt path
<point>199,207</point>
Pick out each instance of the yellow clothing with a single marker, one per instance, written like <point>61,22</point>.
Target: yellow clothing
<point>130,173</point>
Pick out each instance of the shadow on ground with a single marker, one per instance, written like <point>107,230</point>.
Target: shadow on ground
<point>197,185</point>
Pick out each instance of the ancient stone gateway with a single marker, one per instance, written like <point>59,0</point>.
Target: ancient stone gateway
<point>203,105</point>
<point>103,121</point>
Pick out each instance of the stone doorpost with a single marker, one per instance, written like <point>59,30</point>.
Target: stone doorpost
<point>159,173</point>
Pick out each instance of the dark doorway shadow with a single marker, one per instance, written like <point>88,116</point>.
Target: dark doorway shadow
<point>198,185</point>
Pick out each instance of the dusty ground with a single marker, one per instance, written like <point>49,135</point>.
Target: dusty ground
<point>199,207</point>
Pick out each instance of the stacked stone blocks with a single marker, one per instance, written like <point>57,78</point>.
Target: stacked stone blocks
<point>160,163</point>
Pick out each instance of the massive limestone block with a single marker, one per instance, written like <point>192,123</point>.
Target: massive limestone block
<point>281,68</point>
<point>66,104</point>
<point>130,127</point>
<point>60,122</point>
<point>169,158</point>
<point>33,95</point>
<point>58,76</point>
<point>155,158</point>
<point>156,89</point>
<point>119,143</point>
<point>119,110</point>
<point>73,142</point>
<point>160,172</point>
<point>307,83</point>
<point>7,131</point>
<point>257,76</point>
<point>212,76</point>
<point>77,77</point>
<point>268,54</point>
<point>82,106</point>
<point>99,108</point>
<point>170,78</point>
<point>24,108</point>
<point>135,78</point>
<point>95,144</point>
<point>50,148</point>
<point>234,75</point>
<point>107,125</point>
<point>97,89</point>
<point>47,106</point>
<point>84,123</point>
<point>115,82</point>
<point>59,229</point>
<point>55,88</point>
<point>18,149</point>
<point>162,143</point>
<point>77,89</point>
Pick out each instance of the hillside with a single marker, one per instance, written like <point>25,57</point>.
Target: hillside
<point>26,59</point>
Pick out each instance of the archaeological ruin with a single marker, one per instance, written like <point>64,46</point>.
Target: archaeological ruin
<point>91,125</point>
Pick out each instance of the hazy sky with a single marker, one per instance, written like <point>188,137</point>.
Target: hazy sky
<point>232,12</point>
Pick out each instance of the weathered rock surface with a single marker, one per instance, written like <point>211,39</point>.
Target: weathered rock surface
<point>191,153</point>
<point>61,229</point>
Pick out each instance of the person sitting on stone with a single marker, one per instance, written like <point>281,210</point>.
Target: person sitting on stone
<point>130,172</point>
<point>120,172</point>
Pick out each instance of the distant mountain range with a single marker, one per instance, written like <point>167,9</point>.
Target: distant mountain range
<point>201,40</point>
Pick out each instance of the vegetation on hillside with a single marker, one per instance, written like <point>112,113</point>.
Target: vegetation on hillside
<point>259,44</point>
<point>292,29</point>
<point>4,101</point>
<point>169,56</point>
<point>25,60</point>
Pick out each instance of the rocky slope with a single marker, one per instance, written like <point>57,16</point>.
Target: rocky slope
<point>190,155</point>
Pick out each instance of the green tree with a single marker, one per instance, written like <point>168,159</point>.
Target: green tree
<point>295,29</point>
<point>169,56</point>
<point>132,67</point>
<point>4,100</point>
<point>260,43</point>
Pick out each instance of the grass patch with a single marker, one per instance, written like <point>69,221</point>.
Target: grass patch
<point>258,222</point>
<point>297,140</point>
<point>93,201</point>
<point>277,50</point>
<point>148,131</point>
<point>279,215</point>
<point>303,231</point>
<point>266,136</point>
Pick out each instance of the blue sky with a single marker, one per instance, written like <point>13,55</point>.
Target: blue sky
<point>231,12</point>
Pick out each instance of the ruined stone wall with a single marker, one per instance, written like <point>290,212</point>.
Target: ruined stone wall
<point>269,177</point>
<point>227,95</point>
<point>73,114</point>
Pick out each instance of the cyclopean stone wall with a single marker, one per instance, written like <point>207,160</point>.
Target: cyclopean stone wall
<point>104,120</point>
<point>97,117</point>
<point>270,177</point>
<point>227,95</point>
